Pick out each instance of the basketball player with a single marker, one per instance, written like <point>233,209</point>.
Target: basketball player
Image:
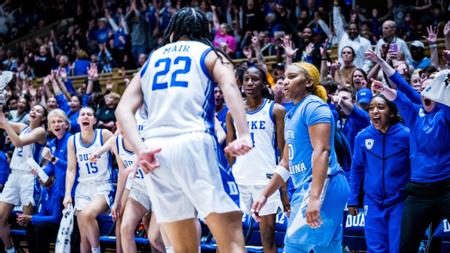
<point>321,189</point>
<point>176,84</point>
<point>19,188</point>
<point>94,192</point>
<point>253,170</point>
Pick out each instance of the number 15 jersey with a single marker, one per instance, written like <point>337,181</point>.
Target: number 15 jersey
<point>100,171</point>
<point>178,90</point>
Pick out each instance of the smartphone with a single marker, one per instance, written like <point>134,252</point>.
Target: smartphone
<point>394,47</point>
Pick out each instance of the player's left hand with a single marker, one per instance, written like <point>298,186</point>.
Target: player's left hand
<point>313,213</point>
<point>257,206</point>
<point>147,160</point>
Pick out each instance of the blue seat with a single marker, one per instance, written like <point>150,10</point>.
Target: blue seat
<point>106,224</point>
<point>18,232</point>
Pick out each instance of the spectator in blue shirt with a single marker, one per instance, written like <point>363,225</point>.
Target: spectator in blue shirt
<point>4,169</point>
<point>56,154</point>
<point>428,192</point>
<point>102,32</point>
<point>381,161</point>
<point>43,226</point>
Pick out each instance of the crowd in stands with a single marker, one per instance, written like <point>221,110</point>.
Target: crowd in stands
<point>110,34</point>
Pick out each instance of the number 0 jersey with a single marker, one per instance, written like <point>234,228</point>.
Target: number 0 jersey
<point>99,171</point>
<point>178,90</point>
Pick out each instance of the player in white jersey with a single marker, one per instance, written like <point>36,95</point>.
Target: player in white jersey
<point>176,84</point>
<point>253,171</point>
<point>94,191</point>
<point>19,188</point>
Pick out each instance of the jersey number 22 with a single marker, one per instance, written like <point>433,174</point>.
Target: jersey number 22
<point>183,65</point>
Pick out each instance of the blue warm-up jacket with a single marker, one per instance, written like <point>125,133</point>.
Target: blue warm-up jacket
<point>430,135</point>
<point>59,150</point>
<point>50,208</point>
<point>383,159</point>
<point>4,168</point>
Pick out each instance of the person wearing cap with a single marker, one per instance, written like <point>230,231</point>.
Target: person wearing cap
<point>428,191</point>
<point>381,162</point>
<point>363,97</point>
<point>419,60</point>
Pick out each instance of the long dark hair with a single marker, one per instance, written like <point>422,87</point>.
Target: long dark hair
<point>193,24</point>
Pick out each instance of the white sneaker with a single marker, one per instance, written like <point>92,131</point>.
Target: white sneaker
<point>5,78</point>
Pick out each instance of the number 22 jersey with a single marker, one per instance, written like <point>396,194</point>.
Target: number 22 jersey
<point>178,90</point>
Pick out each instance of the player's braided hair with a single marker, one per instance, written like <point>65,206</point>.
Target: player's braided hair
<point>193,24</point>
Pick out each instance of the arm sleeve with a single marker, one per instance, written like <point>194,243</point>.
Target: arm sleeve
<point>317,113</point>
<point>49,169</point>
<point>4,167</point>
<point>61,163</point>
<point>53,217</point>
<point>405,88</point>
<point>408,110</point>
<point>338,23</point>
<point>360,115</point>
<point>85,99</point>
<point>356,172</point>
<point>62,102</point>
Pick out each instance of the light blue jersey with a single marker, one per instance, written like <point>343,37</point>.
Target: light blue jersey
<point>299,236</point>
<point>310,111</point>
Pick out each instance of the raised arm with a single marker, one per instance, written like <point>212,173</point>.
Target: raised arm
<point>338,21</point>
<point>36,135</point>
<point>432,40</point>
<point>215,17</point>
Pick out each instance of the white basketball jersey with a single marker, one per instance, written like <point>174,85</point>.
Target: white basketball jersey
<point>260,162</point>
<point>141,117</point>
<point>99,171</point>
<point>128,157</point>
<point>178,91</point>
<point>22,154</point>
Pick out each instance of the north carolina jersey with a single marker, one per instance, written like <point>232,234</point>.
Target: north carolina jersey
<point>22,154</point>
<point>177,90</point>
<point>99,171</point>
<point>258,164</point>
<point>308,112</point>
<point>128,157</point>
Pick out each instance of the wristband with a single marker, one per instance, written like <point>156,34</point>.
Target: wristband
<point>433,45</point>
<point>283,172</point>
